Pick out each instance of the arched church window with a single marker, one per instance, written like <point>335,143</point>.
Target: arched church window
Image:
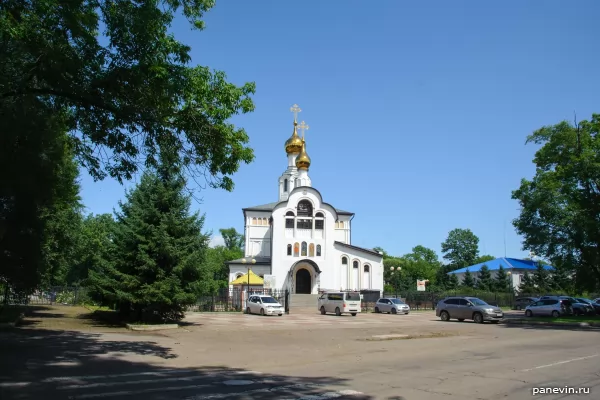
<point>238,275</point>
<point>305,209</point>
<point>285,185</point>
<point>311,250</point>
<point>289,223</point>
<point>319,223</point>
<point>355,264</point>
<point>254,221</point>
<point>260,221</point>
<point>366,268</point>
<point>318,250</point>
<point>289,214</point>
<point>289,249</point>
<point>303,252</point>
<point>296,249</point>
<point>344,261</point>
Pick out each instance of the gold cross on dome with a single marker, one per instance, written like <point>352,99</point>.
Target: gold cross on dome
<point>303,127</point>
<point>295,109</point>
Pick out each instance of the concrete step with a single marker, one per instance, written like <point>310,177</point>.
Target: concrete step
<point>304,300</point>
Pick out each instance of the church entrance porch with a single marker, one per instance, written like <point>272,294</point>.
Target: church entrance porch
<point>304,277</point>
<point>303,281</point>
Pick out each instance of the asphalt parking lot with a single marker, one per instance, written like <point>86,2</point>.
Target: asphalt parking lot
<point>236,356</point>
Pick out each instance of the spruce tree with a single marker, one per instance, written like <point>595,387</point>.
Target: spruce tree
<point>502,280</point>
<point>468,280</point>
<point>527,284</point>
<point>160,248</point>
<point>453,282</point>
<point>485,281</point>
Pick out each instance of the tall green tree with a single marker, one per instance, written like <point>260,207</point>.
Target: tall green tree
<point>560,206</point>
<point>485,281</point>
<point>96,248</point>
<point>461,248</point>
<point>123,83</point>
<point>502,280</point>
<point>233,239</point>
<point>160,249</point>
<point>484,258</point>
<point>468,280</point>
<point>38,194</point>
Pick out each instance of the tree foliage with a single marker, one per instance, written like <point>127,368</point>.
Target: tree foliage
<point>233,239</point>
<point>461,248</point>
<point>485,282</point>
<point>121,84</point>
<point>502,280</point>
<point>160,249</point>
<point>560,206</point>
<point>39,198</point>
<point>468,280</point>
<point>527,284</point>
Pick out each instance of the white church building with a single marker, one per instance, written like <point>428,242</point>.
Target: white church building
<point>300,242</point>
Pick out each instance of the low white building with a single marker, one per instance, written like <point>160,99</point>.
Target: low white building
<point>302,243</point>
<point>514,268</point>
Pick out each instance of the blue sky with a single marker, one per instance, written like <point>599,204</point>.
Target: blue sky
<point>418,111</point>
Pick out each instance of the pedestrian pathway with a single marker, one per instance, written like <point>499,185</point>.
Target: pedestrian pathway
<point>181,384</point>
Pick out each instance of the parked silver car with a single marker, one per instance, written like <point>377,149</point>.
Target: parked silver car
<point>553,307</point>
<point>462,308</point>
<point>579,308</point>
<point>392,306</point>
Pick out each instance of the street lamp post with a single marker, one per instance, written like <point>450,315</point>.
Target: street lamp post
<point>250,261</point>
<point>392,278</point>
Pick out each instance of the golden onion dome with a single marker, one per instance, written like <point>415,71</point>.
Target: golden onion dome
<point>294,144</point>
<point>303,160</point>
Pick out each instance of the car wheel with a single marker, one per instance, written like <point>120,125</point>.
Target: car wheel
<point>528,313</point>
<point>461,320</point>
<point>248,310</point>
<point>353,314</point>
<point>478,318</point>
<point>444,316</point>
<point>394,311</point>
<point>337,311</point>
<point>519,308</point>
<point>376,310</point>
<point>262,312</point>
<point>555,314</point>
<point>322,310</point>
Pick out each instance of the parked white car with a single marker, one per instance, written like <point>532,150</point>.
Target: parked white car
<point>391,305</point>
<point>263,305</point>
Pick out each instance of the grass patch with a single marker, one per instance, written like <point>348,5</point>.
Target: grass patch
<point>565,319</point>
<point>10,314</point>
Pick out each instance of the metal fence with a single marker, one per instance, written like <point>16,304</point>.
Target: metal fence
<point>53,295</point>
<point>232,300</point>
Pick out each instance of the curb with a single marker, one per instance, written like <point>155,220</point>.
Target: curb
<point>151,327</point>
<point>550,323</point>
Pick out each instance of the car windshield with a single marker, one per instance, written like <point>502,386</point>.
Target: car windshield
<point>396,301</point>
<point>268,300</point>
<point>584,300</point>
<point>478,302</point>
<point>352,296</point>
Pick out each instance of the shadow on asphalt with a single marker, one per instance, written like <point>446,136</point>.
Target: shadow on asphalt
<point>52,364</point>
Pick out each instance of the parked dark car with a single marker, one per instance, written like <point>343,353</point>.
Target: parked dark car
<point>578,307</point>
<point>522,302</point>
<point>595,305</point>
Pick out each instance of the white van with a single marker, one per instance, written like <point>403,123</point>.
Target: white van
<point>340,303</point>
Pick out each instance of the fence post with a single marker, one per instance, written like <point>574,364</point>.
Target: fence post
<point>287,301</point>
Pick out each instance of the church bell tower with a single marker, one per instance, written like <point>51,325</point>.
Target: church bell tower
<point>295,148</point>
